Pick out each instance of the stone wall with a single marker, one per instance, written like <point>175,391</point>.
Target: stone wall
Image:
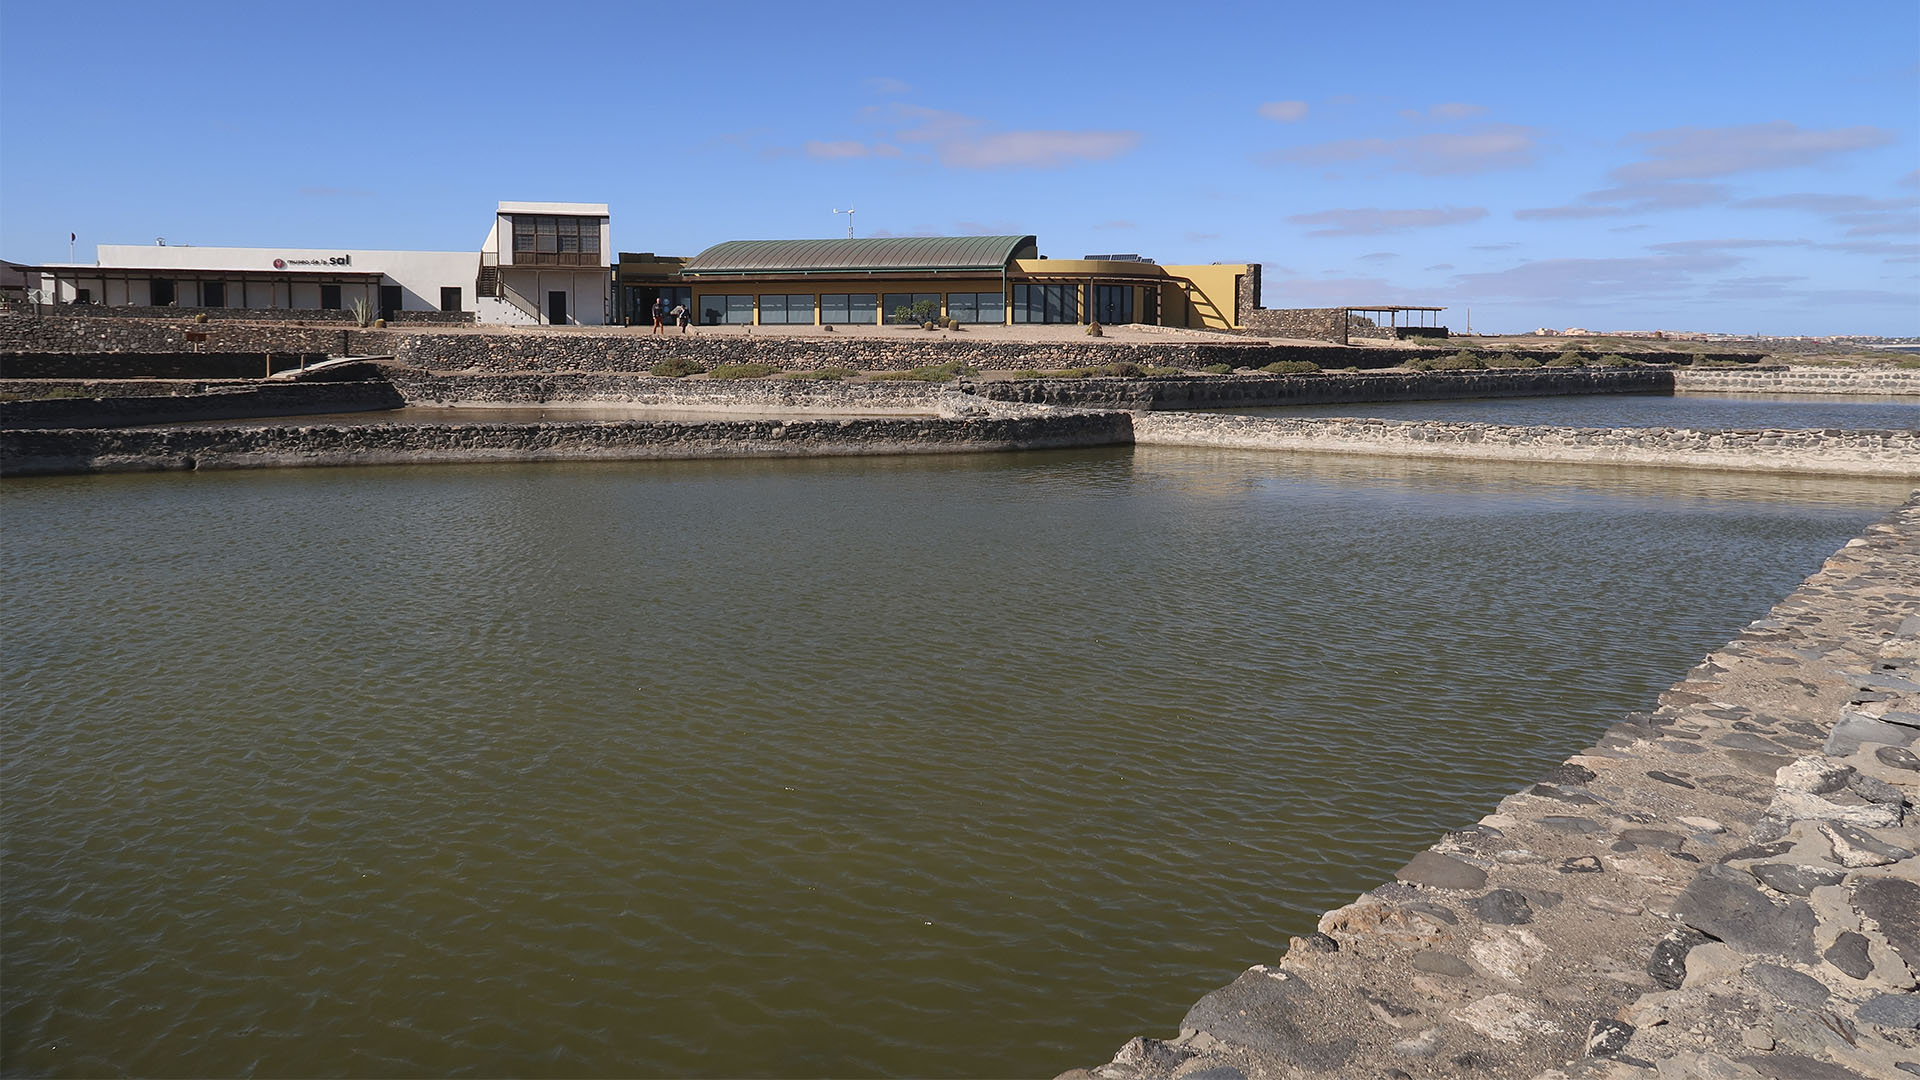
<point>259,315</point>
<point>1901,381</point>
<point>1247,391</point>
<point>219,403</point>
<point>1725,886</point>
<point>1836,453</point>
<point>168,365</point>
<point>1315,324</point>
<point>84,336</point>
<point>68,450</point>
<point>558,391</point>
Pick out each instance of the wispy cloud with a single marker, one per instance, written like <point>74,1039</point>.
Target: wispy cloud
<point>1196,237</point>
<point>1379,256</point>
<point>964,142</point>
<point>1738,243</point>
<point>1370,221</point>
<point>1491,147</point>
<point>1574,282</point>
<point>1858,215</point>
<point>1439,266</point>
<point>1694,153</point>
<point>887,87</point>
<point>1456,110</point>
<point>1117,223</point>
<point>1637,198</point>
<point>1285,112</point>
<point>829,151</point>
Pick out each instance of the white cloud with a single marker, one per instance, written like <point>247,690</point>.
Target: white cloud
<point>1693,153</point>
<point>1370,221</point>
<point>1036,149</point>
<point>1638,198</point>
<point>833,150</point>
<point>1491,147</point>
<point>1284,111</point>
<point>1456,110</point>
<point>882,85</point>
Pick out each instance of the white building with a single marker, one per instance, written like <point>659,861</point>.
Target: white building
<point>554,270</point>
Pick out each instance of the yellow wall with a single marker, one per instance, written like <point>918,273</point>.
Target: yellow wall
<point>1206,295</point>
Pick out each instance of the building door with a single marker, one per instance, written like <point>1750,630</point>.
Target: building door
<point>389,300</point>
<point>162,292</point>
<point>557,307</point>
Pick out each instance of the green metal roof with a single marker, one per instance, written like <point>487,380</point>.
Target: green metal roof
<point>862,256</point>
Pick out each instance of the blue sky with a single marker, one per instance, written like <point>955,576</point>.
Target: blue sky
<point>1743,168</point>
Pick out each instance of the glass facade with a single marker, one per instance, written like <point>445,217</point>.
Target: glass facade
<point>640,302</point>
<point>786,308</point>
<point>1113,303</point>
<point>985,307</point>
<point>726,309</point>
<point>1046,303</point>
<point>850,308</point>
<point>911,307</point>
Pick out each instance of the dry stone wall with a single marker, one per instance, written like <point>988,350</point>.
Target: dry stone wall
<point>1845,453</point>
<point>1901,381</point>
<point>217,403</point>
<point>1723,887</point>
<point>152,449</point>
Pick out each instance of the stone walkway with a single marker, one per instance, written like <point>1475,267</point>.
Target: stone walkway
<point>1724,887</point>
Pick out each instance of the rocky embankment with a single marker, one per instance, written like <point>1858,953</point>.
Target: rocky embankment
<point>1724,887</point>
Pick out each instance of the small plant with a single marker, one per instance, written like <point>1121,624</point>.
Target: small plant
<point>741,371</point>
<point>929,325</point>
<point>1123,369</point>
<point>1567,360</point>
<point>677,367</point>
<point>202,317</point>
<point>1615,360</point>
<point>1460,361</point>
<point>379,324</point>
<point>831,374</point>
<point>946,372</point>
<point>1073,373</point>
<point>1292,367</point>
<point>1153,371</point>
<point>1217,369</point>
<point>1511,360</point>
<point>363,314</point>
<point>1093,330</point>
<point>1027,373</point>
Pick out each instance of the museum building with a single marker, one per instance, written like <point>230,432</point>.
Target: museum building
<point>543,263</point>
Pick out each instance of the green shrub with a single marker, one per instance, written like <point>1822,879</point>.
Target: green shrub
<point>1123,369</point>
<point>1615,360</point>
<point>1460,361</point>
<point>1511,360</point>
<point>1217,369</point>
<point>741,371</point>
<point>1157,372</point>
<point>1568,360</point>
<point>1074,373</point>
<point>1028,373</point>
<point>677,367</point>
<point>1093,330</point>
<point>946,372</point>
<point>829,374</point>
<point>1292,367</point>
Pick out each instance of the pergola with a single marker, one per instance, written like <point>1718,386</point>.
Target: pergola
<point>1416,316</point>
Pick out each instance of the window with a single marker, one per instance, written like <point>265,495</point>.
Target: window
<point>728,310</point>
<point>1113,304</point>
<point>449,298</point>
<point>213,294</point>
<point>329,298</point>
<point>985,307</point>
<point>790,308</point>
<point>550,240</point>
<point>640,302</point>
<point>850,308</point>
<point>1046,303</point>
<point>160,292</point>
<point>911,307</point>
<point>83,296</point>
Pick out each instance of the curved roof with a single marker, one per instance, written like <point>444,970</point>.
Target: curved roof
<point>856,256</point>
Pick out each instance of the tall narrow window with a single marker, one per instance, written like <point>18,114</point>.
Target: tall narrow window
<point>546,236</point>
<point>523,234</point>
<point>590,236</point>
<point>569,235</point>
<point>329,298</point>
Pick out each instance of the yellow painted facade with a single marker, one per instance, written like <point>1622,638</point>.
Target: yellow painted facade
<point>1188,296</point>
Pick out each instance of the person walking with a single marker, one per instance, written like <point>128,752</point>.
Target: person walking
<point>680,314</point>
<point>659,312</point>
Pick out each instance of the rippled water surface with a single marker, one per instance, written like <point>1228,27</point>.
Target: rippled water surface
<point>932,766</point>
<point>1724,412</point>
